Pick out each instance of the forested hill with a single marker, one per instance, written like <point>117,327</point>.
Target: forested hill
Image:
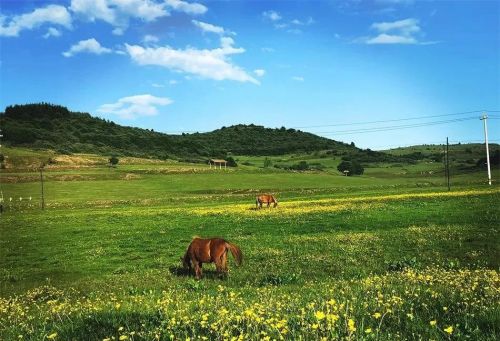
<point>54,127</point>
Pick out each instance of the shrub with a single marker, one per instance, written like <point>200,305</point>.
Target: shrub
<point>352,168</point>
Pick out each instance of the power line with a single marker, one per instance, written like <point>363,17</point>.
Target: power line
<point>397,127</point>
<point>431,144</point>
<point>397,120</point>
<point>364,123</point>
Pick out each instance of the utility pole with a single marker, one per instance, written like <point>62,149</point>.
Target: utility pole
<point>41,180</point>
<point>484,118</point>
<point>447,163</point>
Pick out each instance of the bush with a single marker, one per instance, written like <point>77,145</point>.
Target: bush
<point>113,161</point>
<point>352,168</point>
<point>231,162</point>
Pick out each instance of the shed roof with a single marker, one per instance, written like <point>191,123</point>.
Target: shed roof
<point>218,161</point>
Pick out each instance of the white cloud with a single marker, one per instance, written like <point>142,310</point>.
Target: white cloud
<point>259,72</point>
<point>118,13</point>
<point>271,15</point>
<point>396,2</point>
<point>186,7</point>
<point>148,38</point>
<point>307,22</point>
<point>403,27</point>
<point>298,78</point>
<point>213,64</point>
<point>173,82</point>
<point>156,85</point>
<point>280,25</point>
<point>206,27</point>
<point>397,32</point>
<point>391,39</point>
<point>89,46</point>
<point>53,14</point>
<point>135,106</point>
<point>52,32</point>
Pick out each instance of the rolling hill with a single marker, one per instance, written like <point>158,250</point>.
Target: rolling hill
<point>47,126</point>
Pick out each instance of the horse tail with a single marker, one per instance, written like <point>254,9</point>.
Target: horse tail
<point>235,250</point>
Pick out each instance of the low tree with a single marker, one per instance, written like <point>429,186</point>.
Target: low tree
<point>231,162</point>
<point>267,162</point>
<point>350,168</point>
<point>113,161</point>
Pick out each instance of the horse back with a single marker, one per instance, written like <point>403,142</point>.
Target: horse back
<point>266,198</point>
<point>204,250</point>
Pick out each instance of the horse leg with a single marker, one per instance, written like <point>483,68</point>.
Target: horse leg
<point>197,270</point>
<point>224,263</point>
<point>218,266</point>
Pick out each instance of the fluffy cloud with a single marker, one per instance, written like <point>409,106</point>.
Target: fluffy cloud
<point>206,27</point>
<point>52,14</point>
<point>119,12</point>
<point>135,106</point>
<point>271,15</point>
<point>259,72</point>
<point>148,38</point>
<point>298,78</point>
<point>88,46</point>
<point>52,32</point>
<point>396,32</point>
<point>391,39</point>
<point>212,64</point>
<point>186,7</point>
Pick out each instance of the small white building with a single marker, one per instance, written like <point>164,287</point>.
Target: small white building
<point>217,162</point>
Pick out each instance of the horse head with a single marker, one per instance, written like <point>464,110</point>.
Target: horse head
<point>275,202</point>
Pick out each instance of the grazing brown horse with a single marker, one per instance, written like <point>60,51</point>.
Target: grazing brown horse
<point>213,250</point>
<point>265,198</point>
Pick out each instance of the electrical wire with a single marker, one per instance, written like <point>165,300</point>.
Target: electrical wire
<point>397,127</point>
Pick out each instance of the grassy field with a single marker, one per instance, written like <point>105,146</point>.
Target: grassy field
<point>383,256</point>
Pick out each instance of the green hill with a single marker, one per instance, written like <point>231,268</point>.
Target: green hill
<point>47,126</point>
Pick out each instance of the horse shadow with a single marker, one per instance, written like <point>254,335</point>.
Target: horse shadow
<point>179,271</point>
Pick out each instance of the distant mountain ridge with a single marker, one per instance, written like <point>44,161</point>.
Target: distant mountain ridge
<point>49,126</point>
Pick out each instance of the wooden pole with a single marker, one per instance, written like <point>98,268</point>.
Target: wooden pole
<point>41,180</point>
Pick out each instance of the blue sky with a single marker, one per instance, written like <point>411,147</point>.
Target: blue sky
<point>174,65</point>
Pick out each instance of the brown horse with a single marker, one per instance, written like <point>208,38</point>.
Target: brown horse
<point>265,198</point>
<point>213,250</point>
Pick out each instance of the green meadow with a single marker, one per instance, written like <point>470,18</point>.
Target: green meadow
<point>391,254</point>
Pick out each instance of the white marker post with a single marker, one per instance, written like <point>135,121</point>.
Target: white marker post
<point>484,118</point>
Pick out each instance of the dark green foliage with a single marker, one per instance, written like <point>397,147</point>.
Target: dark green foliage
<point>2,158</point>
<point>48,126</point>
<point>494,160</point>
<point>353,168</point>
<point>267,163</point>
<point>231,162</point>
<point>301,166</point>
<point>113,161</point>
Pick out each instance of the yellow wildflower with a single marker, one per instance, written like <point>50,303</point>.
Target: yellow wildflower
<point>449,330</point>
<point>123,337</point>
<point>433,323</point>
<point>377,315</point>
<point>319,315</point>
<point>368,330</point>
<point>351,325</point>
<point>52,336</point>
